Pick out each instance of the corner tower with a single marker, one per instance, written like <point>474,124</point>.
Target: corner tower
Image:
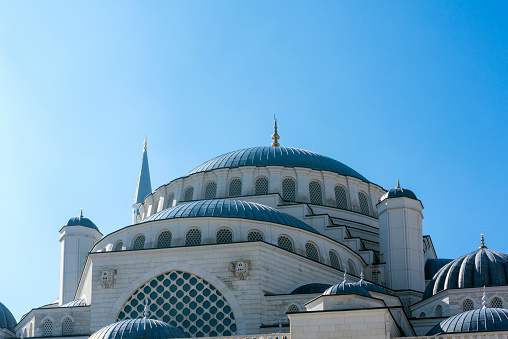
<point>144,185</point>
<point>401,243</point>
<point>77,237</point>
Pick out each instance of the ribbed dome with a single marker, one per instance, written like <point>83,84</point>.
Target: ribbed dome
<point>346,288</point>
<point>7,320</point>
<point>224,208</point>
<point>485,319</point>
<point>398,192</point>
<point>81,221</point>
<point>139,329</point>
<point>277,156</point>
<point>368,286</point>
<point>482,267</point>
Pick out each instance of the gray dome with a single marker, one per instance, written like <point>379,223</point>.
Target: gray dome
<point>482,267</point>
<point>485,319</point>
<point>277,156</point>
<point>370,287</point>
<point>398,192</point>
<point>347,288</point>
<point>7,320</point>
<point>224,208</point>
<point>139,329</point>
<point>81,221</point>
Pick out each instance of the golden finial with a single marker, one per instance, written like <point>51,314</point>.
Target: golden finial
<point>275,136</point>
<point>81,213</point>
<point>483,242</point>
<point>144,146</point>
<point>398,183</point>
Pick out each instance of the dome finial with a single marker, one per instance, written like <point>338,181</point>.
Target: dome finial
<point>484,298</point>
<point>345,275</point>
<point>398,183</point>
<point>146,313</point>
<point>275,136</point>
<point>483,242</point>
<point>81,212</point>
<point>144,146</point>
<point>361,276</point>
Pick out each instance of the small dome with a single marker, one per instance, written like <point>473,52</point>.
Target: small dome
<point>485,319</point>
<point>81,221</point>
<point>75,303</point>
<point>370,287</point>
<point>346,288</point>
<point>482,267</point>
<point>7,320</point>
<point>398,192</point>
<point>139,329</point>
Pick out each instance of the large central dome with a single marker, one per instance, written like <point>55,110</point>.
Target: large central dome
<point>277,156</point>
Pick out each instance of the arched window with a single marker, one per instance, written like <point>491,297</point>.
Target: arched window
<point>289,189</point>
<point>423,315</point>
<point>211,190</point>
<point>496,303</point>
<point>47,328</point>
<point>193,237</point>
<point>261,185</point>
<point>293,309</point>
<point>311,251</point>
<point>467,305</point>
<point>189,194</point>
<point>439,311</point>
<point>285,243</point>
<point>164,239</point>
<point>118,246</point>
<point>315,192</point>
<point>255,236</point>
<point>364,203</point>
<point>235,188</point>
<point>224,236</point>
<point>340,197</point>
<point>31,330</point>
<point>139,243</point>
<point>351,269</point>
<point>170,200</point>
<point>334,260</point>
<point>67,327</point>
<point>24,333</point>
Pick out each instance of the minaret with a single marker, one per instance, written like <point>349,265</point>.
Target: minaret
<point>144,185</point>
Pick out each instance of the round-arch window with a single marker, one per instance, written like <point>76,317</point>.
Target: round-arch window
<point>334,260</point>
<point>261,186</point>
<point>496,303</point>
<point>139,243</point>
<point>118,246</point>
<point>211,190</point>
<point>224,236</point>
<point>467,305</point>
<point>255,236</point>
<point>185,301</point>
<point>316,195</point>
<point>340,197</point>
<point>293,309</point>
<point>364,203</point>
<point>439,311</point>
<point>169,202</point>
<point>285,243</point>
<point>189,194</point>
<point>164,239</point>
<point>193,237</point>
<point>423,315</point>
<point>288,189</point>
<point>311,251</point>
<point>67,326</point>
<point>351,269</point>
<point>235,188</point>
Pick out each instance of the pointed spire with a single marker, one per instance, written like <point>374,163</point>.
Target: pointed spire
<point>144,185</point>
<point>146,313</point>
<point>398,183</point>
<point>275,136</point>
<point>81,212</point>
<point>361,276</point>
<point>483,242</point>
<point>484,298</point>
<point>345,275</point>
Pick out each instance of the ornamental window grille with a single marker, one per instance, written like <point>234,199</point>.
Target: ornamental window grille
<point>285,243</point>
<point>364,203</point>
<point>423,315</point>
<point>315,192</point>
<point>235,188</point>
<point>224,236</point>
<point>67,326</point>
<point>496,303</point>
<point>334,260</point>
<point>211,190</point>
<point>118,246</point>
<point>164,239</point>
<point>293,309</point>
<point>261,186</point>
<point>47,328</point>
<point>189,194</point>
<point>340,197</point>
<point>171,198</point>
<point>351,269</point>
<point>193,237</point>
<point>311,251</point>
<point>439,311</point>
<point>255,236</point>
<point>185,301</point>
<point>139,243</point>
<point>289,189</point>
<point>467,305</point>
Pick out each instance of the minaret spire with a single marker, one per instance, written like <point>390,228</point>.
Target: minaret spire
<point>398,183</point>
<point>144,185</point>
<point>275,136</point>
<point>483,242</point>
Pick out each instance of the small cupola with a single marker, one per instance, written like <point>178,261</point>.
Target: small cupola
<point>398,192</point>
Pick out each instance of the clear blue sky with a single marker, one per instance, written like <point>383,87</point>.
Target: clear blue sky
<point>415,90</point>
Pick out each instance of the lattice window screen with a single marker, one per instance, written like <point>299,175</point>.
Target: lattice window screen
<point>189,194</point>
<point>224,236</point>
<point>47,328</point>
<point>255,236</point>
<point>285,243</point>
<point>340,197</point>
<point>311,251</point>
<point>171,198</point>
<point>261,186</point>
<point>235,188</point>
<point>364,203</point>
<point>439,311</point>
<point>211,190</point>
<point>351,267</point>
<point>193,237</point>
<point>496,303</point>
<point>118,246</point>
<point>423,315</point>
<point>293,309</point>
<point>316,195</point>
<point>467,305</point>
<point>334,260</point>
<point>288,189</point>
<point>139,243</point>
<point>164,239</point>
<point>67,327</point>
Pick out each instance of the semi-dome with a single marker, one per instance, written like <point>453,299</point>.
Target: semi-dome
<point>482,267</point>
<point>398,192</point>
<point>225,208</point>
<point>347,288</point>
<point>139,329</point>
<point>277,156</point>
<point>485,319</point>
<point>7,320</point>
<point>81,221</point>
<point>369,287</point>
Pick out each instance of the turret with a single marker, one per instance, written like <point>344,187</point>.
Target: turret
<point>144,185</point>
<point>401,243</point>
<point>77,237</point>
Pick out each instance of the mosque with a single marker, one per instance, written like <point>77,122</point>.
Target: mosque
<point>268,242</point>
